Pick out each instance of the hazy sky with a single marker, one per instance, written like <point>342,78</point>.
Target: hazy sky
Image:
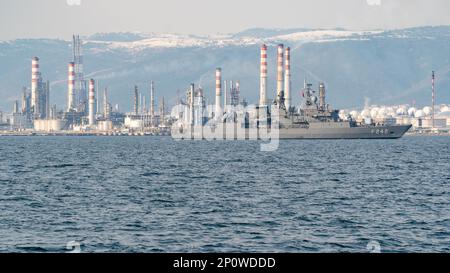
<point>62,18</point>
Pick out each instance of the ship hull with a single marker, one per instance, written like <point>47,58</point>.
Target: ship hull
<point>378,132</point>
<point>230,133</point>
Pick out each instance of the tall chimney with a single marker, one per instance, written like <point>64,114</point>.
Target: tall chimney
<point>279,70</point>
<point>24,100</point>
<point>433,98</point>
<point>231,92</point>
<point>91,102</point>
<point>225,97</point>
<point>16,107</point>
<point>237,93</point>
<point>96,100</point>
<point>34,83</point>
<point>191,113</point>
<point>140,103</point>
<point>71,105</point>
<point>287,79</point>
<point>136,100</point>
<point>218,92</point>
<point>163,109</point>
<point>152,99</point>
<point>106,110</point>
<point>263,76</point>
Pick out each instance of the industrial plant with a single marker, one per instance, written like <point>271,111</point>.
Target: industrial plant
<point>90,112</point>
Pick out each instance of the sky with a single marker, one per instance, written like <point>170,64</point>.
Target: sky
<point>62,18</point>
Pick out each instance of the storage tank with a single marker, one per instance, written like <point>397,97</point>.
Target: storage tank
<point>419,114</point>
<point>401,111</point>
<point>411,111</point>
<point>427,110</point>
<point>365,113</point>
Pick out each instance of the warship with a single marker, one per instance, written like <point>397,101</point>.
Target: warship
<point>315,119</point>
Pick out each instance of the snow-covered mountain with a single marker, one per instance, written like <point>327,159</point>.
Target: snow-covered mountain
<point>383,66</point>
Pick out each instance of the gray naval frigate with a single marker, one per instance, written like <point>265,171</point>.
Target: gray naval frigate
<point>315,119</point>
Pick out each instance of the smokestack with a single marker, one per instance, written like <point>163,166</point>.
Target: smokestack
<point>34,83</point>
<point>70,87</point>
<point>433,98</point>
<point>231,93</point>
<point>152,99</point>
<point>218,92</point>
<point>140,103</point>
<point>136,100</point>
<point>236,93</point>
<point>24,100</point>
<point>279,70</point>
<point>91,102</point>
<point>287,78</point>
<point>144,105</point>
<point>16,107</point>
<point>163,109</point>
<point>263,76</point>
<point>46,99</point>
<point>106,108</point>
<point>191,114</point>
<point>225,97</point>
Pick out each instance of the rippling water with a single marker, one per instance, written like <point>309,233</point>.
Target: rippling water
<point>153,194</point>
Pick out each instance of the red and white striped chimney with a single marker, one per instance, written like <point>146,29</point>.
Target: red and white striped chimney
<point>70,86</point>
<point>287,78</point>
<point>34,82</point>
<point>91,102</point>
<point>218,92</point>
<point>263,76</point>
<point>279,69</point>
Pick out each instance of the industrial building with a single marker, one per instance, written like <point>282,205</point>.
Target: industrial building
<point>40,92</point>
<point>83,112</point>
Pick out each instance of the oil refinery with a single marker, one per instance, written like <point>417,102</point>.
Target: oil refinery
<point>90,112</point>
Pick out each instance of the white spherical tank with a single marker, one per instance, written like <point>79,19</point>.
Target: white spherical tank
<point>427,110</point>
<point>365,113</point>
<point>382,112</point>
<point>445,108</point>
<point>411,111</point>
<point>354,114</point>
<point>374,112</point>
<point>401,111</point>
<point>419,114</point>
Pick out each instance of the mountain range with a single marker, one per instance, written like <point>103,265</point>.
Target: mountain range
<point>378,66</point>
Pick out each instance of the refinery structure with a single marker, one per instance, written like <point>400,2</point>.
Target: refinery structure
<point>89,110</point>
<point>427,119</point>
